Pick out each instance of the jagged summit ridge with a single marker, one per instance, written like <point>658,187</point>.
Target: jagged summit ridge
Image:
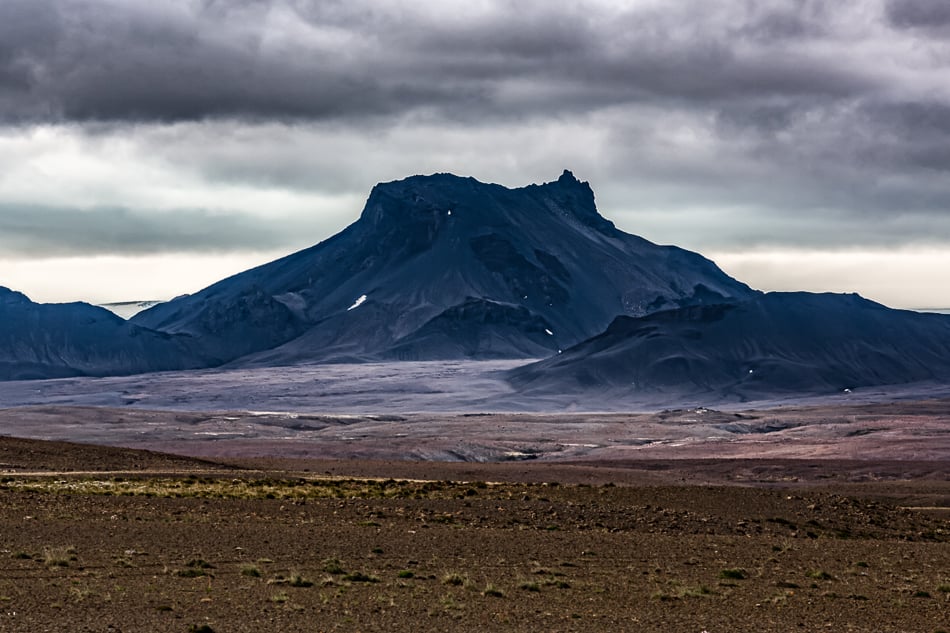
<point>424,246</point>
<point>427,200</point>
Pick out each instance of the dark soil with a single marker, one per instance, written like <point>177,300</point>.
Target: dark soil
<point>171,544</point>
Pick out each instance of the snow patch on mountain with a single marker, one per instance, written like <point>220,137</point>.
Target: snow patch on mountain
<point>357,303</point>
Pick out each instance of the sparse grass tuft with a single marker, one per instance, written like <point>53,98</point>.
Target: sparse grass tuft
<point>333,566</point>
<point>252,571</point>
<point>454,578</point>
<point>58,556</point>
<point>493,591</point>
<point>199,563</point>
<point>405,573</point>
<point>124,561</point>
<point>359,576</point>
<point>449,605</point>
<point>701,591</point>
<point>296,580</point>
<point>818,574</point>
<point>529,585</point>
<point>79,594</point>
<point>733,574</point>
<point>195,568</point>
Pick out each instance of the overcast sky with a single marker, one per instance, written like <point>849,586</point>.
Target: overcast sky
<point>149,148</point>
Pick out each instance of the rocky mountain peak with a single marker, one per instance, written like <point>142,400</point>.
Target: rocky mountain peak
<point>568,195</point>
<point>417,208</point>
<point>442,266</point>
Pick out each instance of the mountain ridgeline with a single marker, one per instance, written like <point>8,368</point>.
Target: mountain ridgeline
<point>76,339</point>
<point>443,267</point>
<point>776,344</point>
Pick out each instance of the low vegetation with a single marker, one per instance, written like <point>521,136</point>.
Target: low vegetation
<point>228,487</point>
<point>457,556</point>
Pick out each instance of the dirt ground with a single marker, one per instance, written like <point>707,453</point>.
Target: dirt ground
<point>111,539</point>
<point>911,431</point>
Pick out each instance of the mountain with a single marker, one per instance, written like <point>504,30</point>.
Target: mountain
<point>77,339</point>
<point>447,267</point>
<point>444,267</point>
<point>773,344</point>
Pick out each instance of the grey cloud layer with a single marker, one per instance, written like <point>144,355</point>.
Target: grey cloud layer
<point>929,15</point>
<point>831,110</point>
<point>45,231</point>
<point>137,60</point>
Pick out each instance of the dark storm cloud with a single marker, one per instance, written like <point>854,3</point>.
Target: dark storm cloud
<point>136,60</point>
<point>139,61</point>
<point>914,134</point>
<point>48,231</point>
<point>924,14</point>
<point>810,107</point>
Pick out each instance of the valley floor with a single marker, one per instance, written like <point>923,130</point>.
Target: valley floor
<point>885,432</point>
<point>141,541</point>
<point>278,514</point>
<point>393,388</point>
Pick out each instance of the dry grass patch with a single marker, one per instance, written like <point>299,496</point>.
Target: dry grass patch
<point>59,556</point>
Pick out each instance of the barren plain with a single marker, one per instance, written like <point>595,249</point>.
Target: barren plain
<point>822,515</point>
<point>104,539</point>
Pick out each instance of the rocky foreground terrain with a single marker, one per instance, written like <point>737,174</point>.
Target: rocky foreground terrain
<point>111,539</point>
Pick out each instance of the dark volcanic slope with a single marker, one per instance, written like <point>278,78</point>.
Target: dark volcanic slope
<point>447,267</point>
<point>77,339</point>
<point>774,344</point>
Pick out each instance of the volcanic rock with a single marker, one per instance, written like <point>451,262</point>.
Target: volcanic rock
<point>77,339</point>
<point>447,267</point>
<point>776,343</point>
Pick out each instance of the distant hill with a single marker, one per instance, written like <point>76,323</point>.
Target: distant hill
<point>77,339</point>
<point>447,267</point>
<point>777,343</point>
